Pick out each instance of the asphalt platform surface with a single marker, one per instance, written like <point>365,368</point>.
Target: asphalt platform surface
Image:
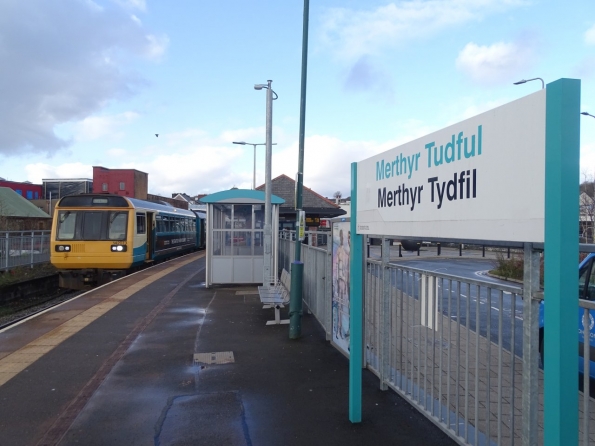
<point>131,377</point>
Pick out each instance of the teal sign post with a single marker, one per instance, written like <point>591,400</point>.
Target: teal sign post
<point>562,160</point>
<point>356,326</point>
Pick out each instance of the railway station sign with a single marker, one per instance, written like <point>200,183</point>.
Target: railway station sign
<point>482,178</point>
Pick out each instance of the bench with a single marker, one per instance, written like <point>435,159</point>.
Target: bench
<point>276,295</point>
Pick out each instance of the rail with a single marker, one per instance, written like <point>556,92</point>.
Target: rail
<point>452,346</point>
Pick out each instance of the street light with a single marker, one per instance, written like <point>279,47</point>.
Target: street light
<point>268,240</point>
<point>254,145</point>
<point>523,81</point>
<point>587,114</point>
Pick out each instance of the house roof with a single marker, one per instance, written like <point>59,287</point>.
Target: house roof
<point>312,202</point>
<point>13,205</point>
<point>182,196</point>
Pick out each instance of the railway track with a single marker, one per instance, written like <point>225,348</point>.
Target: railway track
<point>14,312</point>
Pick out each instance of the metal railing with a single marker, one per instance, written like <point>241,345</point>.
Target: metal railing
<point>452,346</point>
<point>317,285</point>
<point>23,248</point>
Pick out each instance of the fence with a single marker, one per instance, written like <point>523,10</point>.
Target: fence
<point>317,283</point>
<point>455,348</point>
<point>23,248</point>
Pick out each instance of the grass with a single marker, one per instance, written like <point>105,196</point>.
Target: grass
<point>513,268</point>
<point>23,273</point>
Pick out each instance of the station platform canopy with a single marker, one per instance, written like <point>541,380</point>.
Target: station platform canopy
<point>235,236</point>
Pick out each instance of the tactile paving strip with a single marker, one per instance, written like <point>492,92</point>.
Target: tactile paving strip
<point>213,358</point>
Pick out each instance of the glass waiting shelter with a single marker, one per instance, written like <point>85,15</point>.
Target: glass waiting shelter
<point>235,236</point>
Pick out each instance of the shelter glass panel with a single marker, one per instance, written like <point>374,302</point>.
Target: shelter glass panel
<point>258,216</point>
<point>242,216</point>
<point>222,216</point>
<point>222,243</point>
<point>258,243</point>
<point>242,243</point>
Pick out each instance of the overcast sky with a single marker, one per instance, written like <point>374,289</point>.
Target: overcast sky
<point>87,83</point>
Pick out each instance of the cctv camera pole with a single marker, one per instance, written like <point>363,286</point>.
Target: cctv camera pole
<point>297,268</point>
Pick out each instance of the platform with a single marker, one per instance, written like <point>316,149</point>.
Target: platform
<point>157,359</point>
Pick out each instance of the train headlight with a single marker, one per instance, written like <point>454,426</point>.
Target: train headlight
<point>118,248</point>
<point>63,248</point>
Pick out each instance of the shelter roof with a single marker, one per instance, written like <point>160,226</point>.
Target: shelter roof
<point>240,196</point>
<point>14,205</point>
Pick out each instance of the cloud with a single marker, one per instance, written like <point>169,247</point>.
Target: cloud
<point>95,127</point>
<point>590,36</point>
<point>67,61</point>
<point>39,171</point>
<point>364,75</point>
<point>140,5</point>
<point>351,34</point>
<point>327,159</point>
<point>496,63</point>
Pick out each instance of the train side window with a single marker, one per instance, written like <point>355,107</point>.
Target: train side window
<point>141,224</point>
<point>117,225</point>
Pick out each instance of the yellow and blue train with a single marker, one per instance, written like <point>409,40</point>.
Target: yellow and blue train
<point>98,237</point>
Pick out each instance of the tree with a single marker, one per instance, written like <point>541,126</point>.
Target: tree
<point>587,207</point>
<point>337,195</point>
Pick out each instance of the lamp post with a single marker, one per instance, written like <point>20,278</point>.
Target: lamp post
<point>524,81</point>
<point>297,267</point>
<point>254,169</point>
<point>587,114</point>
<point>268,239</point>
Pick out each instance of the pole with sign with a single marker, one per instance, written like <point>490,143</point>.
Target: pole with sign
<point>301,226</point>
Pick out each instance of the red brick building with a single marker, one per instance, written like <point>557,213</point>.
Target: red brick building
<point>126,182</point>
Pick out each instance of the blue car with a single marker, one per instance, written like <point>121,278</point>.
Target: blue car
<point>586,289</point>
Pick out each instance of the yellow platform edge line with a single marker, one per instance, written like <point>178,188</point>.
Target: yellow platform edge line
<point>14,363</point>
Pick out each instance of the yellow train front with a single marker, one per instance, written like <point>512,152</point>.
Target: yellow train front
<point>97,237</point>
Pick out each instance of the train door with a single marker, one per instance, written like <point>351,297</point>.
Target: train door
<point>150,236</point>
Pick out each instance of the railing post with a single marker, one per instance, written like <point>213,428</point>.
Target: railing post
<point>20,257</point>
<point>385,316</point>
<point>32,245</point>
<point>328,289</point>
<point>6,251</point>
<point>530,344</point>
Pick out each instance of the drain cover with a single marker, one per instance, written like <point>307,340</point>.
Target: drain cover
<point>247,292</point>
<point>213,358</point>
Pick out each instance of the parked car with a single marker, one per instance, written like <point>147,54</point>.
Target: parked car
<point>586,290</point>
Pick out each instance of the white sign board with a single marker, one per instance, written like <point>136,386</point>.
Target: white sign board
<point>479,179</point>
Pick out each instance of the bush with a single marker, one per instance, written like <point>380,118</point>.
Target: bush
<point>509,268</point>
